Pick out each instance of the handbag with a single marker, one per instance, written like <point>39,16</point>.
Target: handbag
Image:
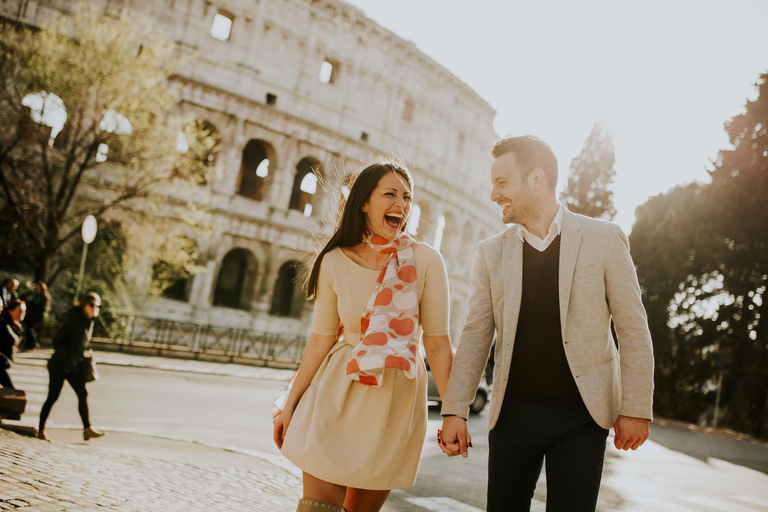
<point>88,367</point>
<point>13,402</point>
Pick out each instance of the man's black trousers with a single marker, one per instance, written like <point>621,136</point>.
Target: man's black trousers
<point>570,440</point>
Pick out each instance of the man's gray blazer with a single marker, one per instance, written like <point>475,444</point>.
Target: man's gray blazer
<point>597,282</point>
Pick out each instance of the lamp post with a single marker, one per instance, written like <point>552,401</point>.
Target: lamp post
<point>89,233</point>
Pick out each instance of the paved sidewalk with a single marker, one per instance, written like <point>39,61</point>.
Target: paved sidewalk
<point>40,476</point>
<point>129,471</point>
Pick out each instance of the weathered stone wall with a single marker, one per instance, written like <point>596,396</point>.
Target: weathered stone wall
<point>262,83</point>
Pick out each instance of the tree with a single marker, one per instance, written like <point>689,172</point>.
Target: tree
<point>590,175</point>
<point>703,265</point>
<point>88,125</point>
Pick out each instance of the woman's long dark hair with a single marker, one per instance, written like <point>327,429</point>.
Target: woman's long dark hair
<point>351,223</point>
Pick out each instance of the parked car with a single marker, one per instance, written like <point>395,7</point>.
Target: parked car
<point>482,397</point>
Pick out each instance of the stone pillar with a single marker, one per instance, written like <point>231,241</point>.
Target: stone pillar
<point>201,294</point>
<point>231,159</point>
<point>282,184</point>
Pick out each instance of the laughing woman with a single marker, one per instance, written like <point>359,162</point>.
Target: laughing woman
<point>355,418</point>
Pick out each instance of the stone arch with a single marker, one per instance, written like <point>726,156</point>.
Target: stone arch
<point>451,242</point>
<point>236,279</point>
<point>426,229</point>
<point>257,164</point>
<point>306,190</point>
<point>210,129</point>
<point>171,273</point>
<point>467,244</point>
<point>414,219</point>
<point>456,321</point>
<point>200,141</point>
<point>287,299</point>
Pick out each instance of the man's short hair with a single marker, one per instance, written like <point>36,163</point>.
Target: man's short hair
<point>90,299</point>
<point>530,153</point>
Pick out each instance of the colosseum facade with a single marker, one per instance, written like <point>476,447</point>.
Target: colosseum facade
<point>301,91</point>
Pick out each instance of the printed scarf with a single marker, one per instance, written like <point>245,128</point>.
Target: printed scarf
<point>390,321</point>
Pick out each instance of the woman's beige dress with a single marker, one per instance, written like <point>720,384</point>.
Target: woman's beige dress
<point>349,433</point>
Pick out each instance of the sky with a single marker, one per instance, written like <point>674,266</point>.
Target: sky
<point>663,75</point>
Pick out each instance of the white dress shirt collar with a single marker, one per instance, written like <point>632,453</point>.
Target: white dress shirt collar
<point>541,244</point>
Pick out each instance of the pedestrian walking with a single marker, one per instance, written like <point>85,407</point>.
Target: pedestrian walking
<point>10,336</point>
<point>38,304</point>
<point>67,362</point>
<point>549,285</point>
<point>355,418</point>
<point>8,291</point>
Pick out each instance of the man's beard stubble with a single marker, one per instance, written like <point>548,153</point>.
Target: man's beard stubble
<point>523,211</point>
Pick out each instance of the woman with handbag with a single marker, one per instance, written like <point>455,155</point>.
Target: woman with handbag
<point>354,418</point>
<point>68,362</point>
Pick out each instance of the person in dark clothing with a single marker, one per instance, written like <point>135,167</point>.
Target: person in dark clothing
<point>69,344</point>
<point>10,334</point>
<point>38,304</point>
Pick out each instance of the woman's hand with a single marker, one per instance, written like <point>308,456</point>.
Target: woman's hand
<point>281,426</point>
<point>317,348</point>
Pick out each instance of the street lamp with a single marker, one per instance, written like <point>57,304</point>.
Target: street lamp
<point>89,233</point>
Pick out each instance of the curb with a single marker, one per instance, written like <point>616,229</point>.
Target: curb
<point>265,373</point>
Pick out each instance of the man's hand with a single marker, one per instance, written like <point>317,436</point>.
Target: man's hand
<point>455,437</point>
<point>630,433</point>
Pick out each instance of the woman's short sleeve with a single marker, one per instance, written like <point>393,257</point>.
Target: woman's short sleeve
<point>435,300</point>
<point>326,319</point>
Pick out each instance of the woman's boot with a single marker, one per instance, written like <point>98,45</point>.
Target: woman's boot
<point>308,505</point>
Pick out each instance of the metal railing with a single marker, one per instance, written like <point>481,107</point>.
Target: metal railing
<point>209,339</point>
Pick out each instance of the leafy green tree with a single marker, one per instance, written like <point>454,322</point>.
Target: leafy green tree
<point>587,191</point>
<point>87,126</point>
<point>703,265</point>
<point>739,221</point>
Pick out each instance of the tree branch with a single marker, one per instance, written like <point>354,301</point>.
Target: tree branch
<point>14,204</point>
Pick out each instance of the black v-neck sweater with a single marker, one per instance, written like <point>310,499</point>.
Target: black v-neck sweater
<point>539,373</point>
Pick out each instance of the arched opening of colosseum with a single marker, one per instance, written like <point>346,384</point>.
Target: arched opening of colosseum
<point>287,299</point>
<point>439,230</point>
<point>304,194</point>
<point>450,237</point>
<point>414,219</point>
<point>236,280</point>
<point>346,186</point>
<point>208,129</point>
<point>171,273</point>
<point>467,244</point>
<point>425,231</point>
<point>207,144</point>
<point>255,170</point>
<point>117,123</point>
<point>49,115</point>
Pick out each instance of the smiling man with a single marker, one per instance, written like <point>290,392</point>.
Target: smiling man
<point>550,285</point>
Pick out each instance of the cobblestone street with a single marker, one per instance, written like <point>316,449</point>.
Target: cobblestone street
<point>40,476</point>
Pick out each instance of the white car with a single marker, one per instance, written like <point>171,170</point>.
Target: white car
<point>482,397</point>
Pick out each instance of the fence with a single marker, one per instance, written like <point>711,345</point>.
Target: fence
<point>196,339</point>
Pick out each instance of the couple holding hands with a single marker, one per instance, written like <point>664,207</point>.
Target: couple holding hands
<point>354,418</point>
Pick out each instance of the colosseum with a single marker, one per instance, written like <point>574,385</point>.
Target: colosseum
<point>303,93</point>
